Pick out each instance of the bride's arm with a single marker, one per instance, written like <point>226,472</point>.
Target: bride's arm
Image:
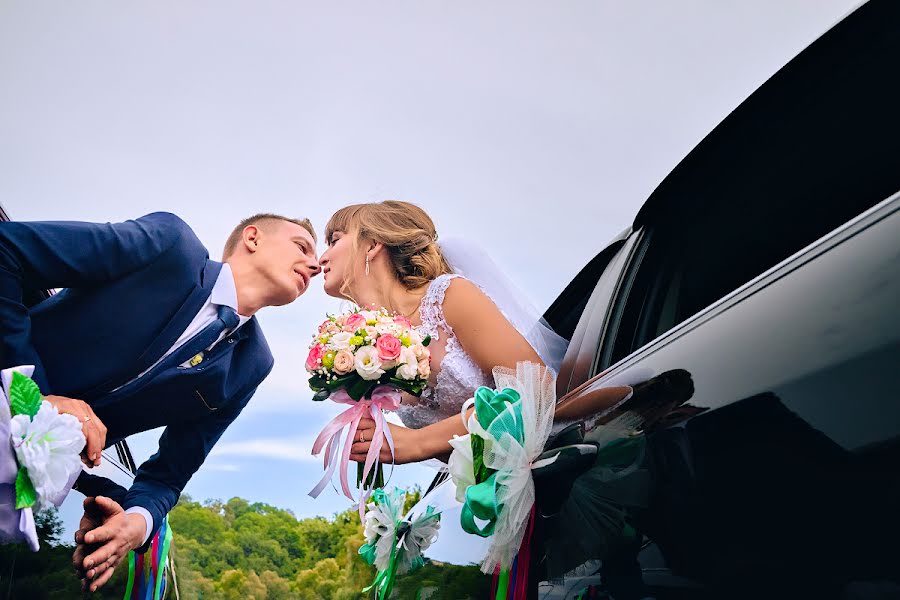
<point>489,339</point>
<point>482,330</point>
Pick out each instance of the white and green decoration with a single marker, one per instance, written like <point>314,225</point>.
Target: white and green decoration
<point>39,450</point>
<point>394,541</point>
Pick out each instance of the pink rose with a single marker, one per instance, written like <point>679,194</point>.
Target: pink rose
<point>315,357</point>
<point>388,347</point>
<point>343,362</point>
<point>403,321</point>
<point>355,321</point>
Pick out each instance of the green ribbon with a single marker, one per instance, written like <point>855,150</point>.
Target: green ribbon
<point>481,502</point>
<point>24,399</point>
<point>498,413</point>
<point>160,574</point>
<point>130,583</point>
<point>502,585</point>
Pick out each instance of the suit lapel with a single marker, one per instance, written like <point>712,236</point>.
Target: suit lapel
<point>171,332</point>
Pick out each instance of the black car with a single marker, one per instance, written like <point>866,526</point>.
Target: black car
<point>756,297</point>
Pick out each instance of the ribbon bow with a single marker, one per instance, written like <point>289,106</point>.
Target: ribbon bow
<point>383,397</point>
<point>394,543</point>
<point>491,465</point>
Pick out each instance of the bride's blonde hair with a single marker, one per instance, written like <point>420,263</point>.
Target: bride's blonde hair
<point>405,230</point>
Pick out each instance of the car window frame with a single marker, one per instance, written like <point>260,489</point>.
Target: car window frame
<point>581,354</point>
<point>783,268</point>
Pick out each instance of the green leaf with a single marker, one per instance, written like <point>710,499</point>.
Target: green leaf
<point>321,395</point>
<point>426,341</point>
<point>342,382</point>
<point>360,388</point>
<point>317,382</point>
<point>24,395</point>
<point>412,387</point>
<point>26,495</point>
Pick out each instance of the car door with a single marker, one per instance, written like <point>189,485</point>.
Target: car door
<point>787,452</point>
<point>763,270</point>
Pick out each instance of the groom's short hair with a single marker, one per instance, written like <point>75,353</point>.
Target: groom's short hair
<point>260,221</point>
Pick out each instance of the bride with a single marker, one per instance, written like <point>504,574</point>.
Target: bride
<point>386,254</point>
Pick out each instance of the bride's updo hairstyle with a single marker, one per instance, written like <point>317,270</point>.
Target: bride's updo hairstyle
<point>405,230</point>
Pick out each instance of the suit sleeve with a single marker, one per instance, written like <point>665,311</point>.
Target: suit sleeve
<point>45,255</point>
<point>183,448</point>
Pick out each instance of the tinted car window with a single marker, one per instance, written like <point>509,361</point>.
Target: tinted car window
<point>690,264</point>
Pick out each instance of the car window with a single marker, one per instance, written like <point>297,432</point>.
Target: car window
<point>565,312</point>
<point>592,316</point>
<point>688,264</point>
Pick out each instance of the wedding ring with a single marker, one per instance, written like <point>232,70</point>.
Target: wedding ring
<point>86,418</point>
<point>362,437</point>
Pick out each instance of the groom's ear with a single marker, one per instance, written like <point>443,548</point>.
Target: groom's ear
<point>250,238</point>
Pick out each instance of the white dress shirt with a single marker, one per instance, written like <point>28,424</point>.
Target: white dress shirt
<point>223,293</point>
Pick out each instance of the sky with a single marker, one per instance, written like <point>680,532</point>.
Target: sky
<point>536,129</point>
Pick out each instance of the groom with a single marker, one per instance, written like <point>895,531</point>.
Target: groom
<point>148,332</point>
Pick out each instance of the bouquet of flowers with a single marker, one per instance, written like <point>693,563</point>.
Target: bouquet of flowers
<point>38,455</point>
<point>362,349</point>
<point>365,359</point>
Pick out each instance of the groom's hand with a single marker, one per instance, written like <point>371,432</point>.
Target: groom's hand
<point>93,428</point>
<point>91,519</point>
<point>110,542</point>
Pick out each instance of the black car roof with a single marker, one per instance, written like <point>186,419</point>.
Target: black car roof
<point>838,93</point>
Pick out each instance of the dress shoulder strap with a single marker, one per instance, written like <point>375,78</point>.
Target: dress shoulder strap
<point>431,310</point>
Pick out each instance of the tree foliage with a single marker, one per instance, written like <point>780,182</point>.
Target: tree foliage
<point>241,550</point>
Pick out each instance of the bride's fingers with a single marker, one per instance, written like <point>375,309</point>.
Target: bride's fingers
<point>366,423</point>
<point>385,457</point>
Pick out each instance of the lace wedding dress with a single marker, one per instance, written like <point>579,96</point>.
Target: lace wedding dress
<point>455,376</point>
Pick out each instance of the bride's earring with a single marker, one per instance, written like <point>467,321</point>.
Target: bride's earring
<point>367,265</point>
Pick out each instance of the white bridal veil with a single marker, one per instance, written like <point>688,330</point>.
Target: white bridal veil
<point>471,261</point>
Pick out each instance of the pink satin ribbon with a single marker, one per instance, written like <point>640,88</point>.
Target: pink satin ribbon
<point>384,397</point>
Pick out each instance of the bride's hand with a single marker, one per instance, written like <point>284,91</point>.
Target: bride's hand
<point>406,443</point>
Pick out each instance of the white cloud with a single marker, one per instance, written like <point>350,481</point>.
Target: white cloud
<point>226,467</point>
<point>286,448</point>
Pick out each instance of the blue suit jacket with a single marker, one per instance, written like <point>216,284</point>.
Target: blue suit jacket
<point>131,289</point>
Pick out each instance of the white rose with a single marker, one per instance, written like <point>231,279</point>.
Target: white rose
<point>341,341</point>
<point>415,338</point>
<point>420,351</point>
<point>409,365</point>
<point>367,363</point>
<point>48,448</point>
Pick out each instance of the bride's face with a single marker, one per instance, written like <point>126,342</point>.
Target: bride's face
<point>338,264</point>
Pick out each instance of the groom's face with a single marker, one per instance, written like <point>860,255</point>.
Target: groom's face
<point>286,256</point>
